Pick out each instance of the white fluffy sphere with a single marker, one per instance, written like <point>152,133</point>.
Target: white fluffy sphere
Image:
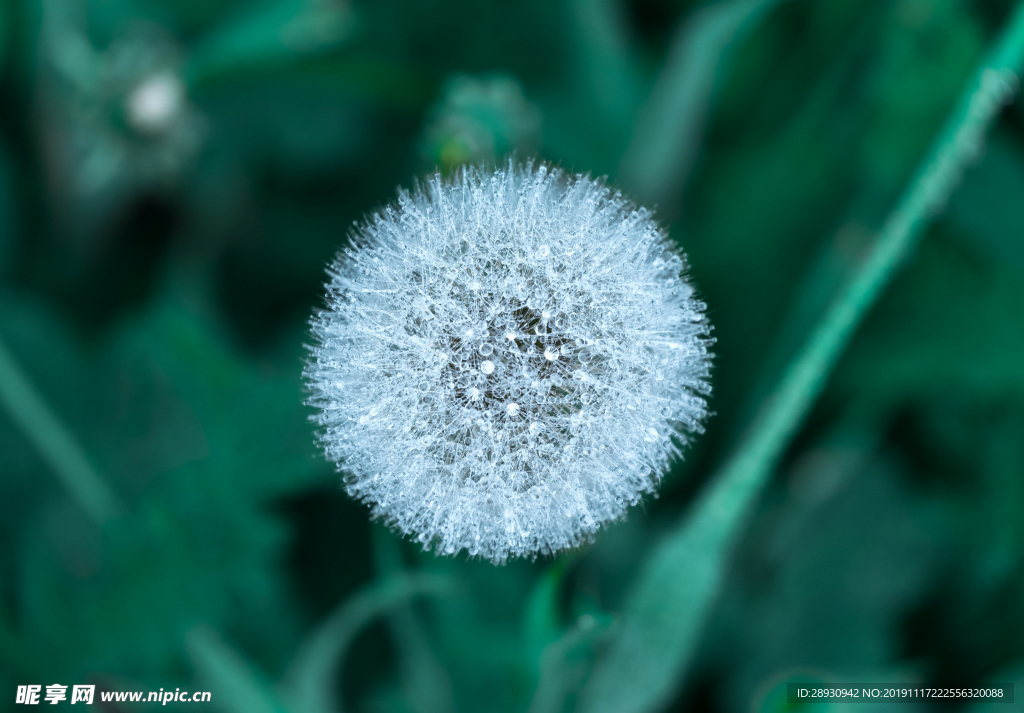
<point>507,361</point>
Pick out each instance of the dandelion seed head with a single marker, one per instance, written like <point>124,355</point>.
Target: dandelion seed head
<point>575,361</point>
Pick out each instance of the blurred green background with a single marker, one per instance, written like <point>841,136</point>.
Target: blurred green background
<point>174,177</point>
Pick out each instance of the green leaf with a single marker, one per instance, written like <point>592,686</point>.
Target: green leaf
<point>274,31</point>
<point>541,619</point>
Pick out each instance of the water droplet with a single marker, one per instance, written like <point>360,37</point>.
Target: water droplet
<point>539,329</point>
<point>651,435</point>
<point>550,354</point>
<point>474,394</point>
<point>364,419</point>
<point>560,323</point>
<point>543,251</point>
<point>512,409</point>
<point>486,349</point>
<point>424,386</point>
<point>487,367</point>
<point>545,315</point>
<point>511,336</point>
<point>585,398</point>
<point>583,356</point>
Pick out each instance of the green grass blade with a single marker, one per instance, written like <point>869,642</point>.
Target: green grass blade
<point>670,126</point>
<point>54,442</point>
<point>310,681</point>
<point>235,685</point>
<point>424,682</point>
<point>605,61</point>
<point>677,586</point>
<point>564,661</point>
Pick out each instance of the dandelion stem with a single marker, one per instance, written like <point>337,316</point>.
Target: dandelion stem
<point>54,442</point>
<point>677,586</point>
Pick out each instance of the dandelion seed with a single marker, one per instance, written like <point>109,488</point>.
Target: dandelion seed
<point>587,408</point>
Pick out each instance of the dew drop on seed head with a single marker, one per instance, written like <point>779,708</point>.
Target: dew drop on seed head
<point>474,394</point>
<point>486,349</point>
<point>512,409</point>
<point>487,367</point>
<point>543,251</point>
<point>550,354</point>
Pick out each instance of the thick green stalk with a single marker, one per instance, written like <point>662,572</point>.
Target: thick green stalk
<point>677,586</point>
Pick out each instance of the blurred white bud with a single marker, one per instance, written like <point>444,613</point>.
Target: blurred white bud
<point>156,103</point>
<point>479,119</point>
